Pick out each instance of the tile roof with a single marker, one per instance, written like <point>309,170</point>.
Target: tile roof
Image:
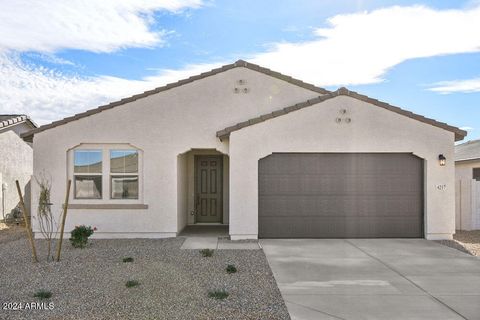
<point>7,120</point>
<point>225,133</point>
<point>28,136</point>
<point>469,150</point>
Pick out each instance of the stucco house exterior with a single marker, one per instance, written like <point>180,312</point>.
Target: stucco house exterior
<point>16,160</point>
<point>269,155</point>
<point>467,176</point>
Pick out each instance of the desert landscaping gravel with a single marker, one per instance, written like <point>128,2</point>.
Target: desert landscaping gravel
<point>470,240</point>
<point>465,241</point>
<point>174,284</point>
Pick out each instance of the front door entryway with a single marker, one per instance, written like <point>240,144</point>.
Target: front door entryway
<point>208,189</point>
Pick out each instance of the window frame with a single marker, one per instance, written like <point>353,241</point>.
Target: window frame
<point>123,175</point>
<point>87,174</point>
<point>106,173</point>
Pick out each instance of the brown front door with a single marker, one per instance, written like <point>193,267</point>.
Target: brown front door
<point>208,189</point>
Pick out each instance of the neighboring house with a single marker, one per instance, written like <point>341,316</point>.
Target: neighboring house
<point>16,162</point>
<point>467,176</point>
<point>269,155</point>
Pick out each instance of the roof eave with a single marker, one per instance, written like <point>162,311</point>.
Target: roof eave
<point>458,133</point>
<point>468,159</point>
<point>15,121</point>
<point>239,63</point>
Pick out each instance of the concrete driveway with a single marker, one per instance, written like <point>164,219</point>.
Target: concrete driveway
<point>374,279</point>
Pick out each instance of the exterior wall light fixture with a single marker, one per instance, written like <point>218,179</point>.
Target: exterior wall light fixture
<point>442,160</point>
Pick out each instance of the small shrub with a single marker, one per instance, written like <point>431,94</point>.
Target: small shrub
<point>128,259</point>
<point>218,294</point>
<point>79,235</point>
<point>43,294</point>
<point>132,283</point>
<point>206,252</point>
<point>231,268</point>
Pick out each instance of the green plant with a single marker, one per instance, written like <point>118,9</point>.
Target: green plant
<point>231,268</point>
<point>206,252</point>
<point>128,259</point>
<point>218,294</point>
<point>42,294</point>
<point>79,235</point>
<point>132,283</point>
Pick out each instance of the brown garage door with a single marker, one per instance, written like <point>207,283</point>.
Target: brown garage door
<point>340,195</point>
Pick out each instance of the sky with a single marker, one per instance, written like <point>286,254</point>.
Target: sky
<point>59,57</point>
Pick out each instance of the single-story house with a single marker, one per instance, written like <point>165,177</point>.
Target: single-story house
<point>467,180</point>
<point>16,161</point>
<point>264,153</point>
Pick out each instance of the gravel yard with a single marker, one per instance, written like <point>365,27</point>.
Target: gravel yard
<point>174,284</point>
<point>470,240</point>
<point>466,241</point>
<point>11,233</point>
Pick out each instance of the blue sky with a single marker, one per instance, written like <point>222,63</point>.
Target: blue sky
<point>423,56</point>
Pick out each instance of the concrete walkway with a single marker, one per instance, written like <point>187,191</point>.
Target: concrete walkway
<point>213,237</point>
<point>374,279</point>
<point>199,243</point>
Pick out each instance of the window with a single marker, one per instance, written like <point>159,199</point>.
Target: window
<point>124,174</point>
<point>476,174</point>
<point>110,173</point>
<point>87,174</point>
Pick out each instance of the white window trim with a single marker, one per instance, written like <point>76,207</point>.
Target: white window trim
<point>84,174</point>
<point>106,192</point>
<point>124,174</point>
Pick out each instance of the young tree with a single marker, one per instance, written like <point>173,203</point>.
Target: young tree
<point>46,220</point>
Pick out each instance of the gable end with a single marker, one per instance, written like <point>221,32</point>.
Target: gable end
<point>28,136</point>
<point>225,133</point>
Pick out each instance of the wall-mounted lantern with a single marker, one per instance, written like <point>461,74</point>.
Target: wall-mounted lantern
<point>442,160</point>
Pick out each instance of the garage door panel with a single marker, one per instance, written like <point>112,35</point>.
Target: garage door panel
<point>297,164</point>
<point>350,163</point>
<point>340,195</point>
<point>330,184</point>
<point>338,206</point>
<point>336,227</point>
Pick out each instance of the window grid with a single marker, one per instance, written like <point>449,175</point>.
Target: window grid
<point>124,178</point>
<point>93,179</point>
<point>87,167</point>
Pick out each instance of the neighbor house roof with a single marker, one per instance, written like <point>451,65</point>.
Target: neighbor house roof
<point>222,134</point>
<point>9,120</point>
<point>28,136</point>
<point>468,151</point>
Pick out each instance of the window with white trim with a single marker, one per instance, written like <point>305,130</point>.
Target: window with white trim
<point>124,174</point>
<point>87,174</point>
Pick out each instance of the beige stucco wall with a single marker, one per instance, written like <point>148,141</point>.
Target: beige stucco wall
<point>182,191</point>
<point>314,129</point>
<point>164,126</point>
<point>15,164</point>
